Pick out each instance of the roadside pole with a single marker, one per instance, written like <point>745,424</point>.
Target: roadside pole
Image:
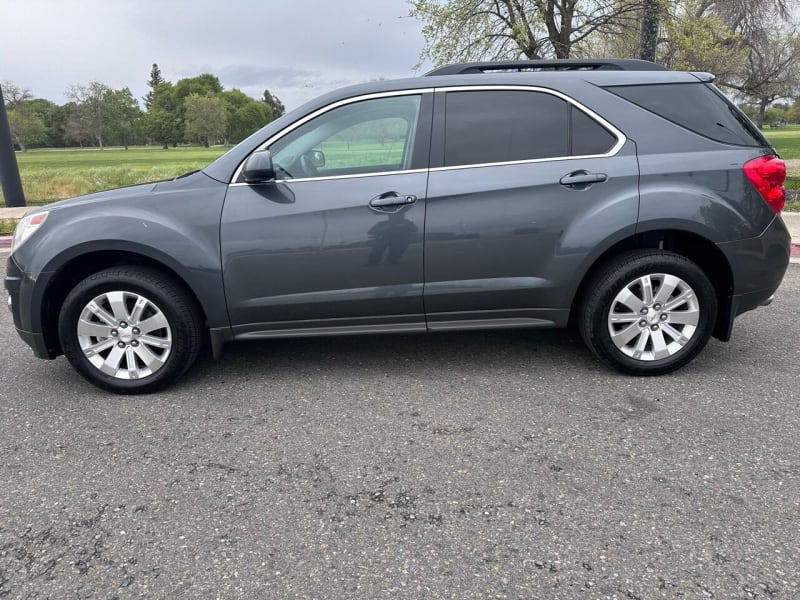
<point>9,172</point>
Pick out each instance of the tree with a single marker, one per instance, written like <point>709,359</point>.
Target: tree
<point>27,127</point>
<point>651,20</point>
<point>53,117</point>
<point>244,115</point>
<point>205,84</point>
<point>126,114</point>
<point>277,107</point>
<point>467,30</point>
<point>772,71</point>
<point>205,118</point>
<point>698,40</point>
<point>95,109</point>
<point>155,79</point>
<point>13,94</point>
<point>161,122</point>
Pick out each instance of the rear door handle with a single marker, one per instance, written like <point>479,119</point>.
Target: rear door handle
<point>579,180</point>
<point>392,200</point>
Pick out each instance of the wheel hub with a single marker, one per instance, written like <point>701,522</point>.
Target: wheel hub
<point>653,317</point>
<point>124,335</point>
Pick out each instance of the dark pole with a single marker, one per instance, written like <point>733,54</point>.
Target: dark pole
<point>9,172</point>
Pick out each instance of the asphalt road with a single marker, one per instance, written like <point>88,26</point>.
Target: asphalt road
<point>477,465</point>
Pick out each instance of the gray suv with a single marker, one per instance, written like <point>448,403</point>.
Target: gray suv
<point>635,203</point>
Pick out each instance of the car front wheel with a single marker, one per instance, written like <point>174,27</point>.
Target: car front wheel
<point>648,312</point>
<point>130,329</point>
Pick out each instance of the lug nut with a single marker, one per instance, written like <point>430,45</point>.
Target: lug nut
<point>644,310</point>
<point>134,343</point>
<point>135,331</point>
<point>123,324</point>
<point>664,317</point>
<point>657,306</point>
<point>114,333</point>
<point>654,327</point>
<point>642,323</point>
<point>121,344</point>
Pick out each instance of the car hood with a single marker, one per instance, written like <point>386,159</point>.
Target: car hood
<point>141,190</point>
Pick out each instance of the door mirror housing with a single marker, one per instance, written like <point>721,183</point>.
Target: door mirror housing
<point>258,167</point>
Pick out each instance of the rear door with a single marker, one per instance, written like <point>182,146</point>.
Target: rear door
<point>525,184</point>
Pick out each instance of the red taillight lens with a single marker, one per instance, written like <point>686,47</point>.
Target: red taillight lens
<point>767,173</point>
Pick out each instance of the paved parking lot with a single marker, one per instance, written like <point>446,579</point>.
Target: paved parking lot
<point>503,464</point>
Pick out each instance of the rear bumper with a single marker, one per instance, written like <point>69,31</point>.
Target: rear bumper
<point>758,265</point>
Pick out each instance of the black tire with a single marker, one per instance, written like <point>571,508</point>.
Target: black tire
<point>165,296</point>
<point>618,275</point>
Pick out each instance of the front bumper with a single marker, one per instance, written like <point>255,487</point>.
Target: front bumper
<point>19,288</point>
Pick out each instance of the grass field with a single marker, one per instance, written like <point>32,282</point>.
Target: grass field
<point>49,175</point>
<point>786,142</point>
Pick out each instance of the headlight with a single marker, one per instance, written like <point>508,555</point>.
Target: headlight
<point>26,227</point>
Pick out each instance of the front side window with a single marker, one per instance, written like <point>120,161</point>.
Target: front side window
<point>368,136</point>
<point>496,126</point>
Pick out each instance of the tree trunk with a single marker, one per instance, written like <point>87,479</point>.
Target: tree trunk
<point>165,146</point>
<point>648,40</point>
<point>762,111</point>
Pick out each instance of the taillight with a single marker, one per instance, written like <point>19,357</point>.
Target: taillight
<point>767,173</point>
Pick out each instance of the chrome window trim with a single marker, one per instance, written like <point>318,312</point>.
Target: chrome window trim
<point>329,177</point>
<point>315,114</point>
<point>621,137</point>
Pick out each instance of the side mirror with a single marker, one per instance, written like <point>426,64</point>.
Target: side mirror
<point>317,158</point>
<point>258,167</point>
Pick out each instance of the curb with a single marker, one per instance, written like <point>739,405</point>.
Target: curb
<point>5,241</point>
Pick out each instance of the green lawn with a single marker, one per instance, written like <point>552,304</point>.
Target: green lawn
<point>786,142</point>
<point>49,175</point>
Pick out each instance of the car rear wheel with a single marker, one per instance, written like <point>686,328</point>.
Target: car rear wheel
<point>130,330</point>
<point>648,312</point>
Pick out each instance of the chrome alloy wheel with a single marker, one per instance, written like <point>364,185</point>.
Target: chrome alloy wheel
<point>653,317</point>
<point>124,335</point>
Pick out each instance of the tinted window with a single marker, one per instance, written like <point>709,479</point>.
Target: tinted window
<point>363,137</point>
<point>588,136</point>
<point>500,126</point>
<point>697,107</point>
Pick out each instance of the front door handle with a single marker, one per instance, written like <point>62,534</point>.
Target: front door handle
<point>392,200</point>
<point>579,180</point>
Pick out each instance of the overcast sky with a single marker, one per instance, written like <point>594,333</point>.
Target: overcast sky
<point>295,48</point>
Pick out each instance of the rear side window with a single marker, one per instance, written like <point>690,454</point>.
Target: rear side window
<point>696,106</point>
<point>495,126</point>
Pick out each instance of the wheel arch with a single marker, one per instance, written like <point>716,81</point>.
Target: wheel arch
<point>693,246</point>
<point>73,268</point>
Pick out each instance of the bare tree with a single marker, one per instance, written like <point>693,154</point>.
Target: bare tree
<point>772,71</point>
<point>464,30</point>
<point>14,94</point>
<point>93,109</point>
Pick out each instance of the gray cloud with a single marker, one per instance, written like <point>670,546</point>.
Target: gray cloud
<point>296,49</point>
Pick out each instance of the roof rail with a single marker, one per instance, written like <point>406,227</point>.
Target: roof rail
<point>578,64</point>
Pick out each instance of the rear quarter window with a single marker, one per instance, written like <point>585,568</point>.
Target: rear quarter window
<point>698,107</point>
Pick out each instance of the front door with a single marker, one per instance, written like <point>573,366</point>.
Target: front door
<point>334,245</point>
